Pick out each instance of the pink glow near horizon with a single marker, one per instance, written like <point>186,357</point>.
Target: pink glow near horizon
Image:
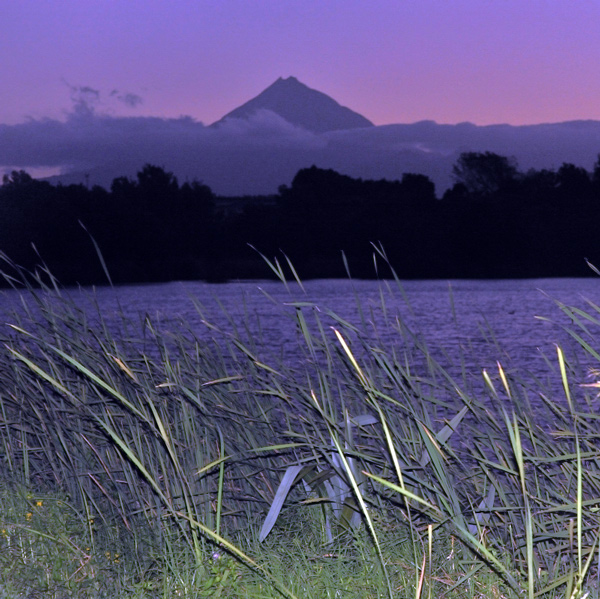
<point>509,61</point>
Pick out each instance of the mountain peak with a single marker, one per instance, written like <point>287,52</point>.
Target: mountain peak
<point>302,106</point>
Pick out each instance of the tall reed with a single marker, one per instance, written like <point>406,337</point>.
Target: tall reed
<point>201,440</point>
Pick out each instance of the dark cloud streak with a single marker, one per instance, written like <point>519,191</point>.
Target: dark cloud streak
<point>129,99</point>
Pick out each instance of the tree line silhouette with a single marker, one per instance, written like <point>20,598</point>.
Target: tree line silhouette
<point>495,222</point>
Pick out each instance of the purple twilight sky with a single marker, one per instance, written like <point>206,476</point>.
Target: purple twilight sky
<point>394,61</point>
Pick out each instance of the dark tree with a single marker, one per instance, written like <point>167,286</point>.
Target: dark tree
<point>16,179</point>
<point>574,181</point>
<point>596,175</point>
<point>485,173</point>
<point>417,189</point>
<point>541,223</point>
<point>122,187</point>
<point>155,181</point>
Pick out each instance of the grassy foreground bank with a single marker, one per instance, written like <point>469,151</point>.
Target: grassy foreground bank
<point>155,461</point>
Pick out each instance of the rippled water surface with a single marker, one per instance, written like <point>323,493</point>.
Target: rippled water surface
<point>486,321</point>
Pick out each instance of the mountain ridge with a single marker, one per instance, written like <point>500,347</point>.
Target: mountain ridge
<point>253,150</point>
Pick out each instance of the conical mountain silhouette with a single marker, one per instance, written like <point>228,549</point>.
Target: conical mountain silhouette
<point>301,106</point>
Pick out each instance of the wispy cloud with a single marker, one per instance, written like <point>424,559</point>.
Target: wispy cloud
<point>129,99</point>
<point>86,100</point>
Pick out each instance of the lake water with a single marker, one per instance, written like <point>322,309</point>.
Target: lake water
<point>455,318</point>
